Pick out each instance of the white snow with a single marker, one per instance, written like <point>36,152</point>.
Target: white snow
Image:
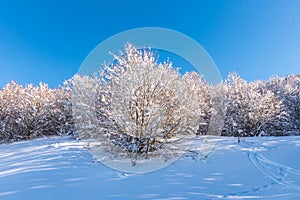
<point>60,168</point>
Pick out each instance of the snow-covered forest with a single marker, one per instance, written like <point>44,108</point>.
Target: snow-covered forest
<point>139,100</point>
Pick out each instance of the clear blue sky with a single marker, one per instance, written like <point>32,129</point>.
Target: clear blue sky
<point>47,40</point>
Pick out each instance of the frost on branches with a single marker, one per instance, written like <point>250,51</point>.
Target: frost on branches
<point>142,105</point>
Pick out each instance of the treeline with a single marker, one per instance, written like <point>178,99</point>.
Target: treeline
<point>128,106</point>
<point>260,108</point>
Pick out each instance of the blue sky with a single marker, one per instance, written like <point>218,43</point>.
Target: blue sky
<point>48,40</point>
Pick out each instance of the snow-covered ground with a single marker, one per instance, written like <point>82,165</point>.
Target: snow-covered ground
<point>60,168</point>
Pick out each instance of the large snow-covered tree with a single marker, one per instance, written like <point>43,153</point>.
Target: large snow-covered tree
<point>141,104</point>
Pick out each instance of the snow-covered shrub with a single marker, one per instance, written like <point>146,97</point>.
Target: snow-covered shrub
<point>142,104</point>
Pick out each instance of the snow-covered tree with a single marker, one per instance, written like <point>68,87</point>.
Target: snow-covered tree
<point>252,110</point>
<point>61,115</point>
<point>287,89</point>
<point>141,104</point>
<point>33,111</point>
<point>10,112</point>
<point>267,115</point>
<point>84,92</point>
